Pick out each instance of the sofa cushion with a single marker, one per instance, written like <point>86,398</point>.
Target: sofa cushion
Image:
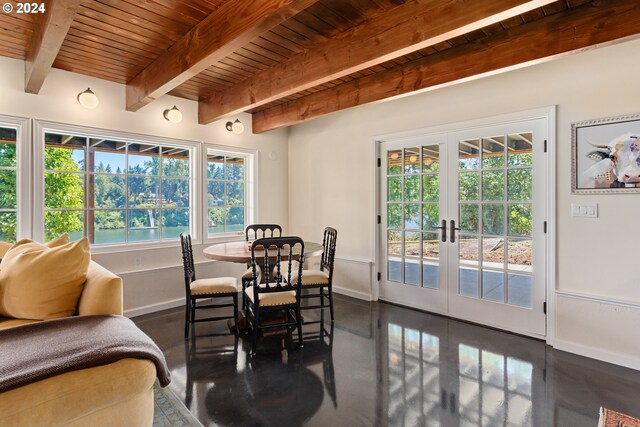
<point>72,396</point>
<point>8,322</point>
<point>37,282</point>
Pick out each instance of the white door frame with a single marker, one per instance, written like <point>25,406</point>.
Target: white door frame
<point>546,113</point>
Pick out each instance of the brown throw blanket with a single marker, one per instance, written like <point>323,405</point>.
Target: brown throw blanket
<point>42,350</point>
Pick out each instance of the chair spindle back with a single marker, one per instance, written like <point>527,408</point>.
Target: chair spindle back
<point>328,249</point>
<point>261,231</point>
<point>267,252</point>
<point>187,261</point>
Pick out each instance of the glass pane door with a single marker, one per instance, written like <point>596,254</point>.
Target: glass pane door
<point>462,224</point>
<point>412,252</point>
<point>498,282</point>
<point>495,210</point>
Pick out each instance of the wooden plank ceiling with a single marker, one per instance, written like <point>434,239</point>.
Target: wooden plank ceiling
<point>286,61</point>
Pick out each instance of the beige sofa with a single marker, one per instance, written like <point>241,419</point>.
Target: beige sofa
<point>118,394</point>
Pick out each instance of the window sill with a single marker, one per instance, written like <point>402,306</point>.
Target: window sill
<point>133,247</point>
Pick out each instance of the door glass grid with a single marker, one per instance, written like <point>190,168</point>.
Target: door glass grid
<point>413,376</point>
<point>413,211</point>
<point>504,379</point>
<point>495,182</point>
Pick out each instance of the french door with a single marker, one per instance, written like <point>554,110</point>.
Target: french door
<point>462,225</point>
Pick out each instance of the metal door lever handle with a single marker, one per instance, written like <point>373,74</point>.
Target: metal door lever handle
<point>443,230</point>
<point>452,230</point>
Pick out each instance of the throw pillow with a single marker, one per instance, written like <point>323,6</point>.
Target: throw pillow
<point>4,247</point>
<point>58,241</point>
<point>37,282</point>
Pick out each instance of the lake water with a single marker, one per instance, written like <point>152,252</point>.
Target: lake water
<point>105,237</point>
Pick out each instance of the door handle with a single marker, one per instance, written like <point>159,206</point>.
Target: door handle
<point>443,230</point>
<point>452,230</point>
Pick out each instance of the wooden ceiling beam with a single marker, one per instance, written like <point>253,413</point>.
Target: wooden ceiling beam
<point>233,25</point>
<point>415,25</point>
<point>529,44</point>
<point>51,29</point>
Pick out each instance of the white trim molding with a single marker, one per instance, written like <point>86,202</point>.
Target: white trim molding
<point>601,299</point>
<point>152,308</point>
<point>351,293</point>
<point>598,327</point>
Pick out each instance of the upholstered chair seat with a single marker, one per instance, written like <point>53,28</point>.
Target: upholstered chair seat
<point>273,299</point>
<point>218,285</point>
<point>312,277</point>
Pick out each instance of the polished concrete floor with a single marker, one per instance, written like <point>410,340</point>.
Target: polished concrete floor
<point>384,365</point>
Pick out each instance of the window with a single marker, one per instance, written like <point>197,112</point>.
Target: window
<point>8,183</point>
<point>228,192</point>
<point>15,200</point>
<point>116,190</point>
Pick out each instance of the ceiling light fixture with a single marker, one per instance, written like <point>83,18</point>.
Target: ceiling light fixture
<point>173,115</point>
<point>236,127</point>
<point>413,159</point>
<point>88,99</point>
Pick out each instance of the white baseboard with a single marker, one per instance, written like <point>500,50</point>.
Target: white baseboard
<point>611,315</point>
<point>351,293</point>
<point>152,308</point>
<point>597,353</point>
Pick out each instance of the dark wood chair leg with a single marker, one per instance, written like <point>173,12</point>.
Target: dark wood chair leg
<point>299,322</point>
<point>186,318</point>
<point>244,296</point>
<point>235,313</point>
<point>254,328</point>
<point>330,302</point>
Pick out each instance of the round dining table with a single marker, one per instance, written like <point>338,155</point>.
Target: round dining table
<point>240,252</point>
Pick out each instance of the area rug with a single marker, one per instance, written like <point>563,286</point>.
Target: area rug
<point>169,411</point>
<point>609,418</point>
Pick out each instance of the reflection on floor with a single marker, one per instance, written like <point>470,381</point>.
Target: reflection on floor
<point>387,365</point>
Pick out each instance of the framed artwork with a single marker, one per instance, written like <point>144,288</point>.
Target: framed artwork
<point>606,156</point>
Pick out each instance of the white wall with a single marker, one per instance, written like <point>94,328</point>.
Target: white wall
<point>331,167</point>
<point>158,278</point>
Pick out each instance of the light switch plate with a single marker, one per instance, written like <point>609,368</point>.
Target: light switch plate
<point>584,210</point>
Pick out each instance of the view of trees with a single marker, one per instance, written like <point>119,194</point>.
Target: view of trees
<point>62,190</point>
<point>108,191</point>
<point>484,186</point>
<point>8,199</point>
<point>93,192</point>
<point>225,196</point>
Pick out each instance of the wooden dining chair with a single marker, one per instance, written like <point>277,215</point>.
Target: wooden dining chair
<point>321,280</point>
<point>254,232</point>
<point>219,287</point>
<point>279,293</point>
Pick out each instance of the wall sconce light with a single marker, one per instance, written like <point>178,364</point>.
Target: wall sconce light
<point>88,99</point>
<point>236,127</point>
<point>173,115</point>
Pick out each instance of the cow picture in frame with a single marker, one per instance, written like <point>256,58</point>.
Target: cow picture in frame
<point>606,155</point>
